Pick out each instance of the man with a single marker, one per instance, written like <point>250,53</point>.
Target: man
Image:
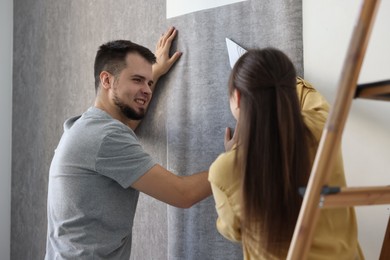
<point>99,167</point>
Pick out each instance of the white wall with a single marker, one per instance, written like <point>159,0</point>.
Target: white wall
<point>327,29</point>
<point>6,27</point>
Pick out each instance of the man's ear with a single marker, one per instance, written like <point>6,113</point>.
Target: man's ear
<point>106,79</point>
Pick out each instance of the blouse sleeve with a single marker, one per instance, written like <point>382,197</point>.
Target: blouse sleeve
<point>314,107</point>
<point>228,223</point>
<point>225,187</point>
<point>310,99</point>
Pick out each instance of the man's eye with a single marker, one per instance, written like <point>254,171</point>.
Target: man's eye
<point>137,80</point>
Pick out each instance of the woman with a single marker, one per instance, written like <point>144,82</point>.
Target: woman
<point>279,123</point>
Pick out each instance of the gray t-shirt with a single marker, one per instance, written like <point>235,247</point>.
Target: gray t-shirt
<point>91,205</point>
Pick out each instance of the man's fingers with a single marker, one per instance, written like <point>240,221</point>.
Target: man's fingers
<point>168,36</point>
<point>175,57</point>
<point>171,35</point>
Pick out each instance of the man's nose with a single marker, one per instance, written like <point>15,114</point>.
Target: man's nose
<point>146,89</point>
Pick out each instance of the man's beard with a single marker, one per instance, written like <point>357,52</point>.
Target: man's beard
<point>128,111</point>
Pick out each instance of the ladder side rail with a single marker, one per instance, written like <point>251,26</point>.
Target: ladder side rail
<point>385,252</point>
<point>331,137</point>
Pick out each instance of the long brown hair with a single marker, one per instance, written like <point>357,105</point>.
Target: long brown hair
<point>272,149</point>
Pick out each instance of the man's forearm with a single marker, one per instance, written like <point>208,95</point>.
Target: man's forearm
<point>197,187</point>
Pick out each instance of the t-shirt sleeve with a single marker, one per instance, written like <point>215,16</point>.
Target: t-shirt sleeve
<point>122,158</point>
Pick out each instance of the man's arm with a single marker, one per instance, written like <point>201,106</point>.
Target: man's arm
<point>178,191</point>
<point>163,61</point>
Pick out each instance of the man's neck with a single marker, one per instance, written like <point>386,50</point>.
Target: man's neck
<point>115,113</point>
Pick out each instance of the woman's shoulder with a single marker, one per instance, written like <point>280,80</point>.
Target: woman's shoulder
<point>310,99</point>
<point>223,170</point>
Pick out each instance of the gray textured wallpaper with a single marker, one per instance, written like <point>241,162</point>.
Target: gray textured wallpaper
<point>54,47</point>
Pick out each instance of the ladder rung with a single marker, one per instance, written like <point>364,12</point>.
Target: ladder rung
<point>357,196</point>
<point>379,90</point>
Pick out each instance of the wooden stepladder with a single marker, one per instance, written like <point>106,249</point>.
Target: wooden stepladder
<point>317,194</point>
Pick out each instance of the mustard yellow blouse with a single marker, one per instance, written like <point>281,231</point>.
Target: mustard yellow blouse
<point>336,232</point>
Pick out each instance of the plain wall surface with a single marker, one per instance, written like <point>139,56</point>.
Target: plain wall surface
<point>327,29</point>
<point>6,23</point>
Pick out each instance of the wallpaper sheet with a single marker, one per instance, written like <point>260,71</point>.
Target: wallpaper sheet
<point>54,47</point>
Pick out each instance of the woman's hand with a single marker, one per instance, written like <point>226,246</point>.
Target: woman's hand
<point>230,140</point>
